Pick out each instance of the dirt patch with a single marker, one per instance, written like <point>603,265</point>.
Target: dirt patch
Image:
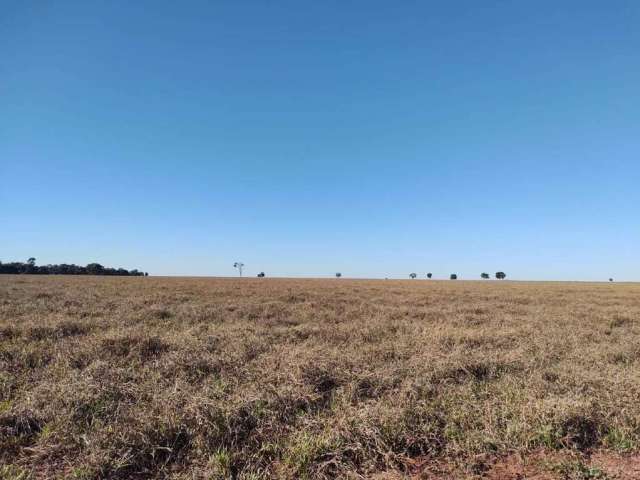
<point>539,465</point>
<point>620,467</point>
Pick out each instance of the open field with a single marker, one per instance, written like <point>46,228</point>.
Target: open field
<point>104,377</point>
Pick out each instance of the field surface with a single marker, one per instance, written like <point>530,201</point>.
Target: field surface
<point>187,378</point>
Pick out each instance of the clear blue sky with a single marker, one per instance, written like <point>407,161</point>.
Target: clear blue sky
<point>305,138</point>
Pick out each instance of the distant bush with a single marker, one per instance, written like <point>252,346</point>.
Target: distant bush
<point>501,275</point>
<point>429,275</point>
<point>453,276</point>
<point>31,268</point>
<point>413,275</point>
<point>484,276</point>
<point>261,275</point>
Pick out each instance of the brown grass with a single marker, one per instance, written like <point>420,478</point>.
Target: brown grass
<point>265,378</point>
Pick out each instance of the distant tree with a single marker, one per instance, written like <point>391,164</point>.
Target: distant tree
<point>146,274</point>
<point>12,267</point>
<point>413,275</point>
<point>429,275</point>
<point>261,275</point>
<point>501,275</point>
<point>30,266</point>
<point>611,279</point>
<point>94,269</point>
<point>484,276</point>
<point>338,274</point>
<point>453,276</point>
<point>239,266</point>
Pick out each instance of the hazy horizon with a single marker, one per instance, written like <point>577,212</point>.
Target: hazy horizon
<point>346,276</point>
<point>367,138</point>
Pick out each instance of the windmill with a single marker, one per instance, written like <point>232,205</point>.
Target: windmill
<point>239,266</point>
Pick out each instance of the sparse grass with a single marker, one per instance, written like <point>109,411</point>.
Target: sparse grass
<point>577,470</point>
<point>12,472</point>
<point>265,378</point>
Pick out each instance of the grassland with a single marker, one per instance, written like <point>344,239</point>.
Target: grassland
<point>181,378</point>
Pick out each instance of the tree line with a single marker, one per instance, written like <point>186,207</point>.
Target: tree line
<point>30,267</point>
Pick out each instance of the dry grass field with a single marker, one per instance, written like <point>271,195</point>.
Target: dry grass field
<point>186,378</point>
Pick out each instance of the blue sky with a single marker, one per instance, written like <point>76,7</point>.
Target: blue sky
<point>305,138</point>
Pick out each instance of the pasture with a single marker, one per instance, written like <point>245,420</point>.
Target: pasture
<point>194,378</point>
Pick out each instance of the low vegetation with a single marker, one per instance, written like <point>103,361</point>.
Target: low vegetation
<point>104,377</point>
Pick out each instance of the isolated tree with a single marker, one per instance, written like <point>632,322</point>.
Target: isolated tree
<point>453,276</point>
<point>32,261</point>
<point>338,274</point>
<point>146,274</point>
<point>484,276</point>
<point>239,266</point>
<point>261,275</point>
<point>501,275</point>
<point>413,275</point>
<point>429,275</point>
<point>611,279</point>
